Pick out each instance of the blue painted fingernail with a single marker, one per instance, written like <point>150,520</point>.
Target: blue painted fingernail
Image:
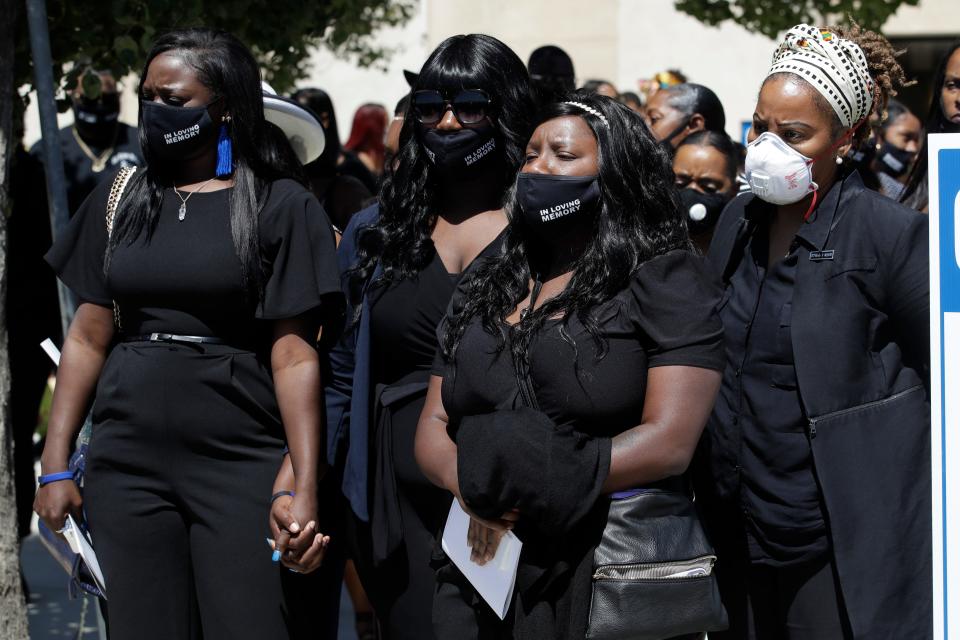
<point>276,555</point>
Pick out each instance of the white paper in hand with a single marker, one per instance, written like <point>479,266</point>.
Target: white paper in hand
<point>494,580</point>
<point>81,546</point>
<point>51,350</point>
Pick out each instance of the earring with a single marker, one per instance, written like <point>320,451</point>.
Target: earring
<point>224,150</point>
<point>839,160</point>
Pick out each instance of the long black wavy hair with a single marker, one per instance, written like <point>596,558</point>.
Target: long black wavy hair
<point>225,66</point>
<point>639,217</point>
<point>400,240</point>
<point>936,123</point>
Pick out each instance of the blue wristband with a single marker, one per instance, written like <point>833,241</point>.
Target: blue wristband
<point>280,494</point>
<point>55,477</point>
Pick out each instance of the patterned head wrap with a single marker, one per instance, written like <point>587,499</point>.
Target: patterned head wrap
<point>834,66</point>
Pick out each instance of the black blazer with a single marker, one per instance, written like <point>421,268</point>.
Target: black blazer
<point>861,344</point>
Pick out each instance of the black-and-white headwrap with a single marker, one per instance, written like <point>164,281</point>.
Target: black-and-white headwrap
<point>834,66</point>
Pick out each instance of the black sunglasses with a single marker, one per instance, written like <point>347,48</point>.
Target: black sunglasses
<point>469,106</point>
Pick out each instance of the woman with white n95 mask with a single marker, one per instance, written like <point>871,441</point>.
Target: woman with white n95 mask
<point>813,470</point>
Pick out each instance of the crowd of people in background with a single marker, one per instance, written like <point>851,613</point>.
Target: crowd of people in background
<point>528,295</point>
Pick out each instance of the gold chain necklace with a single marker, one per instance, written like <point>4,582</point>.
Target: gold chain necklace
<point>182,212</point>
<point>99,161</point>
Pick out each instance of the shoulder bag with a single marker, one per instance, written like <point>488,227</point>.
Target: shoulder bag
<point>653,569</point>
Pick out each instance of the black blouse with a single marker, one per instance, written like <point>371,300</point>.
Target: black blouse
<point>666,316</point>
<point>185,277</point>
<point>404,318</point>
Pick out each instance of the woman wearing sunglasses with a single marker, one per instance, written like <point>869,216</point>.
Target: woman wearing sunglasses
<point>440,210</point>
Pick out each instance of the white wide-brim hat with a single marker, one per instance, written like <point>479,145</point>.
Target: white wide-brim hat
<point>301,127</point>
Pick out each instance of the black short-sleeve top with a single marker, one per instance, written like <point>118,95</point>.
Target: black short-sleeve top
<point>185,276</point>
<point>665,316</point>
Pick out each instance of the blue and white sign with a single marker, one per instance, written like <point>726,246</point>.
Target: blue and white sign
<point>944,163</point>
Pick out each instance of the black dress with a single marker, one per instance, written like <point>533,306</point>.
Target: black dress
<point>407,509</point>
<point>187,439</point>
<point>666,316</point>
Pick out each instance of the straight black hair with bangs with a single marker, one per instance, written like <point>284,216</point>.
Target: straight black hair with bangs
<point>225,66</point>
<point>400,241</point>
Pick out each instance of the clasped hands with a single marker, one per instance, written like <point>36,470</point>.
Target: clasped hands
<point>296,542</point>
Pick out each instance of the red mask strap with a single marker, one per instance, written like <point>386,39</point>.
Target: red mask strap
<point>813,205</point>
<point>842,140</point>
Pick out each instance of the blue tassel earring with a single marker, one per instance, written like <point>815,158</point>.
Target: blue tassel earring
<point>224,150</point>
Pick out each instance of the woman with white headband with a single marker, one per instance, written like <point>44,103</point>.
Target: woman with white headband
<point>599,302</point>
<point>814,467</point>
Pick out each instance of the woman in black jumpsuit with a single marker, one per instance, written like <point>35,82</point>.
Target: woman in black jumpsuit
<point>600,298</point>
<point>214,364</point>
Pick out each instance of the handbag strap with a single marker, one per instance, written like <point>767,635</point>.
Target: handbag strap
<point>116,192</point>
<point>522,368</point>
<point>113,200</point>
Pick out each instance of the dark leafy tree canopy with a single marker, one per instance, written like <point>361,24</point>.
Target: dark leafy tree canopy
<point>772,17</point>
<point>116,34</point>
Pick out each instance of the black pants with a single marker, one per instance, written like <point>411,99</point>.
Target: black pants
<point>186,445</point>
<point>789,603</point>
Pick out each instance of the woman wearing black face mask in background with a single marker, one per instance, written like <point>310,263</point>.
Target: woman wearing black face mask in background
<point>896,149</point>
<point>600,299</point>
<point>97,143</point>
<point>814,468</point>
<point>705,166</point>
<point>223,272</point>
<point>440,209</point>
<point>340,181</point>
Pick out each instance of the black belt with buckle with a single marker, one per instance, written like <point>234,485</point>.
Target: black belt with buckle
<point>172,337</point>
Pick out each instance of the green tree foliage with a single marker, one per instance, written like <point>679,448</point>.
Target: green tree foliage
<point>773,17</point>
<point>117,34</point>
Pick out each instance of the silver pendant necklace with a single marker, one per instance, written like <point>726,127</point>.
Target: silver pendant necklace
<point>182,212</point>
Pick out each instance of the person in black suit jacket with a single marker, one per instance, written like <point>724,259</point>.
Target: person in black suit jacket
<point>813,473</point>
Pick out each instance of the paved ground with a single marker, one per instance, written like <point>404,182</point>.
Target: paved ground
<point>53,616</point>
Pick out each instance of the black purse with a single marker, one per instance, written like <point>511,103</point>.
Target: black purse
<point>653,569</point>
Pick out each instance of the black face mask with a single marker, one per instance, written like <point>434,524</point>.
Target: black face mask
<point>176,132</point>
<point>702,209</point>
<point>894,161</point>
<point>96,120</point>
<point>551,205</point>
<point>462,154</point>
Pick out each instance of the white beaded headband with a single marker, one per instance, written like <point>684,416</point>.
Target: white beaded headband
<point>591,111</point>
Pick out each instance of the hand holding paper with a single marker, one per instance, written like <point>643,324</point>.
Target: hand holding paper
<point>494,580</point>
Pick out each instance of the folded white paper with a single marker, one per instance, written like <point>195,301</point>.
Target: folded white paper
<point>51,350</point>
<point>81,546</point>
<point>494,581</point>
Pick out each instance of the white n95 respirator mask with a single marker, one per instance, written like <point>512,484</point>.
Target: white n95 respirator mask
<point>776,172</point>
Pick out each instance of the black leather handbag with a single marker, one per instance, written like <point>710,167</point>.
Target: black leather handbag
<point>653,569</point>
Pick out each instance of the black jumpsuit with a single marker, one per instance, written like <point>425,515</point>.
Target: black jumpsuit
<point>187,439</point>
